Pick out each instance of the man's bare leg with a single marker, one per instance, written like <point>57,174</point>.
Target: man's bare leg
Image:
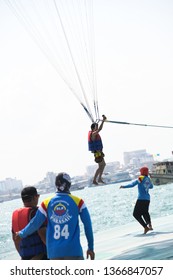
<point>101,169</point>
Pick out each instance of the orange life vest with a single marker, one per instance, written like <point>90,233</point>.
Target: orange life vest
<point>21,217</point>
<point>31,245</point>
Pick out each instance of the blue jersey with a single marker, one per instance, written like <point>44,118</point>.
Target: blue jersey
<point>144,184</point>
<point>62,212</point>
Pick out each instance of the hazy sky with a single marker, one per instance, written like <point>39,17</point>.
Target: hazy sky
<point>43,126</point>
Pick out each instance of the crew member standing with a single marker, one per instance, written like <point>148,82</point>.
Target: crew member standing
<point>141,210</point>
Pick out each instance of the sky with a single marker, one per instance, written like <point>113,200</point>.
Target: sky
<point>43,125</point>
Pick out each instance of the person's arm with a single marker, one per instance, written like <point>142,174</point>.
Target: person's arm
<point>151,185</point>
<point>42,234</point>
<point>16,242</point>
<point>101,125</point>
<point>33,225</point>
<point>131,185</point>
<point>95,132</point>
<point>86,220</point>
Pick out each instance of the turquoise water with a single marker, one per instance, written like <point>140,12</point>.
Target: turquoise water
<point>109,206</point>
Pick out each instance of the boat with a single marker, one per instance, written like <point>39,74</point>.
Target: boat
<point>162,172</point>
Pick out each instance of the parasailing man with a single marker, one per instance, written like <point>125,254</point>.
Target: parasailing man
<point>95,146</point>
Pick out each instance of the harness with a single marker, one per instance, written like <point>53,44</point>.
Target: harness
<point>98,156</point>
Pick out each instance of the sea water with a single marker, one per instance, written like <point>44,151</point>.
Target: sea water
<point>109,206</point>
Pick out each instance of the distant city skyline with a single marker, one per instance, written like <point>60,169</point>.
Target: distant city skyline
<point>137,156</point>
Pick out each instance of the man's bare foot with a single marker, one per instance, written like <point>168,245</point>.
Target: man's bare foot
<point>146,229</point>
<point>95,183</point>
<point>101,181</point>
<point>150,227</point>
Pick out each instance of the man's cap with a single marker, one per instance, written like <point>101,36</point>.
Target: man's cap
<point>61,178</point>
<point>144,171</point>
<point>63,182</point>
<point>28,192</point>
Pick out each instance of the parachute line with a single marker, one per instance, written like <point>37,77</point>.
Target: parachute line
<point>139,124</point>
<point>63,31</point>
<point>38,39</point>
<point>71,54</point>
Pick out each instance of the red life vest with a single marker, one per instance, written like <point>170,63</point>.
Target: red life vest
<point>31,245</point>
<point>21,217</point>
<point>95,145</point>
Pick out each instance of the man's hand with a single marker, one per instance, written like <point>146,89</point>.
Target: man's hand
<point>91,254</point>
<point>17,236</point>
<point>104,117</point>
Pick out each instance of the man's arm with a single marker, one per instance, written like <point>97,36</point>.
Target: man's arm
<point>16,242</point>
<point>101,125</point>
<point>86,220</point>
<point>95,132</point>
<point>42,234</point>
<point>131,185</point>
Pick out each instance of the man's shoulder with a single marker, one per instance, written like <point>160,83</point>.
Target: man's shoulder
<point>22,210</point>
<point>45,202</point>
<point>76,199</point>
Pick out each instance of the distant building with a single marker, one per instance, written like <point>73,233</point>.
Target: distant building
<point>10,185</point>
<point>50,176</point>
<point>112,167</point>
<point>47,184</point>
<point>3,188</point>
<point>138,158</point>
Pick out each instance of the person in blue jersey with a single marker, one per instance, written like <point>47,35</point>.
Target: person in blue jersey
<point>33,246</point>
<point>62,212</point>
<point>95,145</point>
<point>141,209</point>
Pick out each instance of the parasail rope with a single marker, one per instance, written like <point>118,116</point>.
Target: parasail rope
<point>139,124</point>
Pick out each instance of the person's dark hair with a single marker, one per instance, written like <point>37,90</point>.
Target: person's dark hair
<point>93,126</point>
<point>28,193</point>
<point>63,182</point>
